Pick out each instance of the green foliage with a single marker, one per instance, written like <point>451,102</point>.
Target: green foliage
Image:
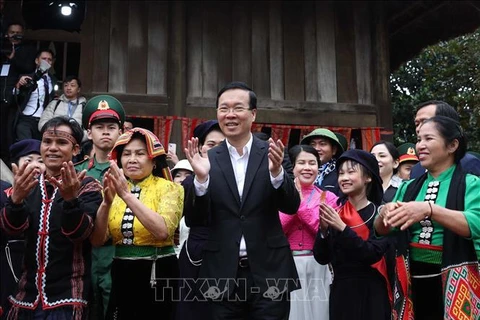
<point>448,71</point>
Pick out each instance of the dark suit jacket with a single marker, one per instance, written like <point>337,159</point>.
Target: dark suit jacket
<point>470,164</point>
<point>256,218</point>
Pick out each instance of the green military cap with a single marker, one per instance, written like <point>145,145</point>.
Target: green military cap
<point>103,107</point>
<point>321,132</point>
<point>407,152</point>
<point>343,140</point>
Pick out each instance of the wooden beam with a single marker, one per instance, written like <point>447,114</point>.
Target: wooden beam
<point>475,4</point>
<point>293,105</point>
<point>176,75</point>
<point>87,48</point>
<point>405,11</point>
<point>420,17</point>
<point>316,118</point>
<point>345,53</point>
<point>52,35</point>
<point>381,67</point>
<point>126,97</point>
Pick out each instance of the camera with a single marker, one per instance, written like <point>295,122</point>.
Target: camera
<point>16,37</point>
<point>32,83</point>
<point>6,47</point>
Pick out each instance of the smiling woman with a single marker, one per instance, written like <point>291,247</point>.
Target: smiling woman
<point>360,288</point>
<point>141,210</point>
<point>436,220</point>
<point>301,230</point>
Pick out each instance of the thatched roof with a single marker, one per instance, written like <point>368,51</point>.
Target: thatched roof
<point>414,25</point>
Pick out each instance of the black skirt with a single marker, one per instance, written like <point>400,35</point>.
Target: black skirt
<point>427,295</point>
<point>133,296</point>
<point>362,296</point>
<point>192,304</point>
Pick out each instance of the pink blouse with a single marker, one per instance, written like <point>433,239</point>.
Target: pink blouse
<point>301,228</point>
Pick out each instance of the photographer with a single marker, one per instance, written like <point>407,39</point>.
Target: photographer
<point>18,58</point>
<point>33,93</point>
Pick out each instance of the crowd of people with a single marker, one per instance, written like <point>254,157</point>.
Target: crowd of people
<point>101,222</point>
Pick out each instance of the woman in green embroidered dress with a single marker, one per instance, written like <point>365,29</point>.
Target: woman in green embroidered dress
<point>140,212</point>
<point>436,218</point>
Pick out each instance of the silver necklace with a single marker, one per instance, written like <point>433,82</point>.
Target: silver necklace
<point>371,217</point>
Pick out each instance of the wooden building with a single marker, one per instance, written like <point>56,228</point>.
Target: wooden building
<point>320,63</point>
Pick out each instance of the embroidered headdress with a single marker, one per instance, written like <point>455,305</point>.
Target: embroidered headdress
<point>155,150</point>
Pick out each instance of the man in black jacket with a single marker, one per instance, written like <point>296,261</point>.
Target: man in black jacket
<point>55,213</point>
<point>17,58</point>
<point>429,109</point>
<point>239,188</point>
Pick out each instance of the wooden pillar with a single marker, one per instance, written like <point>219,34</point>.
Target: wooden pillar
<point>176,74</point>
<point>381,69</point>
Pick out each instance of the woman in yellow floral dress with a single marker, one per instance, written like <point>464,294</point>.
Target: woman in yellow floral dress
<point>140,211</point>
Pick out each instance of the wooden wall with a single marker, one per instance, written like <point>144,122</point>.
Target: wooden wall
<point>310,62</point>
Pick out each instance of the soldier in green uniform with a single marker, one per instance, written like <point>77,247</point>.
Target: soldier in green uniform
<point>408,158</point>
<point>103,118</point>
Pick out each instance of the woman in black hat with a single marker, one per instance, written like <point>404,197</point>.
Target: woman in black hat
<point>360,289</point>
<point>12,248</point>
<point>192,304</point>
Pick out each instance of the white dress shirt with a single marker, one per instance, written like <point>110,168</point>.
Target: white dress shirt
<point>37,96</point>
<point>239,164</point>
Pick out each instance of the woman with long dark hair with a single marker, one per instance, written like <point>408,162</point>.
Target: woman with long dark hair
<point>388,160</point>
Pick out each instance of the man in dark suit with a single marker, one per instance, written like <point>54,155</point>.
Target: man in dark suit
<point>241,186</point>
<point>429,109</point>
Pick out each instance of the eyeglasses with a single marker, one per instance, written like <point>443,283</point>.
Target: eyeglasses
<point>235,110</point>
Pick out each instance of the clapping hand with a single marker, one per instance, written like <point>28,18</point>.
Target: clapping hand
<point>24,181</point>
<point>117,180</point>
<point>70,182</point>
<point>384,211</point>
<point>275,157</point>
<point>407,213</point>
<point>200,165</point>
<point>109,191</point>
<point>330,216</point>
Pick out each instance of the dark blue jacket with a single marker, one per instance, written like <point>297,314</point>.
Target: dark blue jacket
<point>470,164</point>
